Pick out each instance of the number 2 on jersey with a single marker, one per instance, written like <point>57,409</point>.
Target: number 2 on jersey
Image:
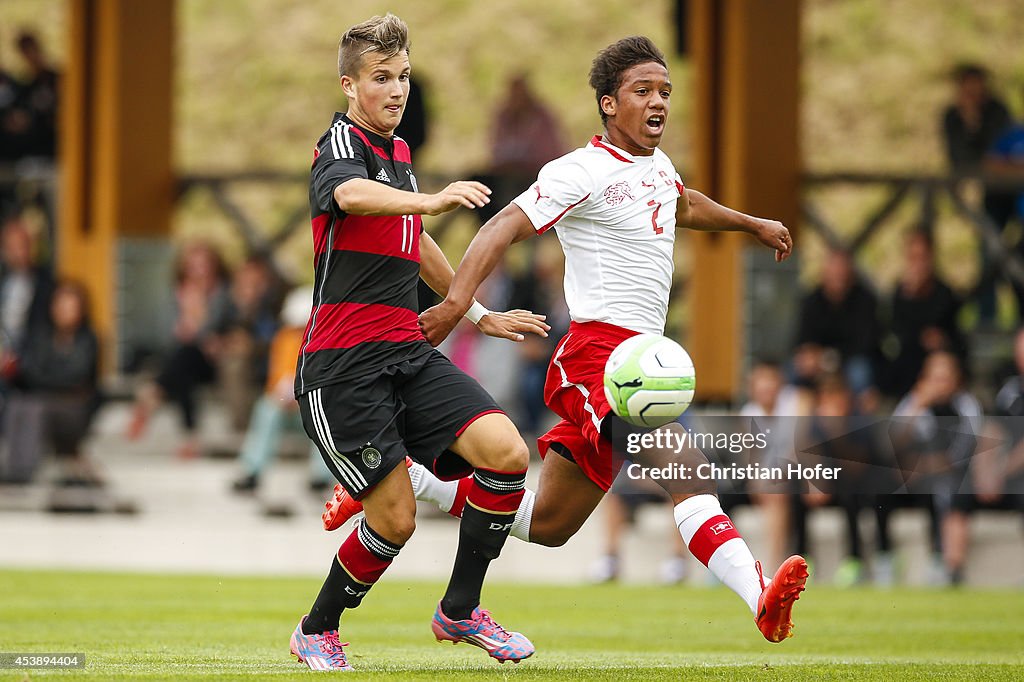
<point>654,216</point>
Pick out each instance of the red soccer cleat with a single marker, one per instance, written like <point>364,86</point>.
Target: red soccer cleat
<point>342,506</point>
<point>775,605</point>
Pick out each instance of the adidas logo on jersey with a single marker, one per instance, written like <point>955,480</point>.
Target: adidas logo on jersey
<point>383,177</point>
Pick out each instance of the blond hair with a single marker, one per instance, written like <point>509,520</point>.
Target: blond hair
<point>387,35</point>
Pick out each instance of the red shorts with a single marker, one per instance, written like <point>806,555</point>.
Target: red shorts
<point>574,390</point>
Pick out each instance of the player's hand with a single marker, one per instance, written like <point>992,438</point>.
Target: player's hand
<point>775,235</point>
<point>513,324</point>
<point>468,193</point>
<point>438,321</point>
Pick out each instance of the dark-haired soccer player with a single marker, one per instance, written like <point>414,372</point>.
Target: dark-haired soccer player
<point>371,390</point>
<point>613,205</point>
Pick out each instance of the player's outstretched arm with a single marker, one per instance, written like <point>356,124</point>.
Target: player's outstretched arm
<point>368,197</point>
<point>485,251</point>
<point>437,273</point>
<point>701,213</point>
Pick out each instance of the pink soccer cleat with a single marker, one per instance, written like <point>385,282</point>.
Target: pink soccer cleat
<point>342,506</point>
<point>481,631</point>
<point>320,652</point>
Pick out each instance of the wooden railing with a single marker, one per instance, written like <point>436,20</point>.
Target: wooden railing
<point>926,191</point>
<point>258,239</point>
<point>264,239</point>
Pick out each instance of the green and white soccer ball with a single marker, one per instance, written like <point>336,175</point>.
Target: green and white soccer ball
<point>649,380</point>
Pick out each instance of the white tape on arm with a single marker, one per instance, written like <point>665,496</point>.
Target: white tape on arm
<point>476,312</point>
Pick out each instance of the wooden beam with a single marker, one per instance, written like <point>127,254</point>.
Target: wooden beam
<point>746,65</point>
<point>115,136</point>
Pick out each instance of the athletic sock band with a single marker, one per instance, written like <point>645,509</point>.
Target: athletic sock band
<point>497,492</point>
<point>491,505</point>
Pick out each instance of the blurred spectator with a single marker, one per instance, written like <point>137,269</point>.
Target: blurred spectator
<point>1007,477</point>
<point>55,392</point>
<point>415,125</point>
<point>620,512</point>
<point>996,475</point>
<point>255,298</point>
<point>13,121</point>
<point>39,97</point>
<point>1005,161</point>
<point>970,126</point>
<point>25,289</point>
<point>839,437</point>
<point>973,121</point>
<point>277,409</point>
<point>769,395</point>
<point>772,406</point>
<point>539,289</point>
<point>487,359</point>
<point>1006,157</point>
<point>922,317</point>
<point>838,327</point>
<point>936,439</point>
<point>524,136</point>
<point>203,309</point>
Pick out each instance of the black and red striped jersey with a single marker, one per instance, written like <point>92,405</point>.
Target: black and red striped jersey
<point>367,268</point>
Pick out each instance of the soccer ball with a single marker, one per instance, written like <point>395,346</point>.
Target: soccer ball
<point>649,380</point>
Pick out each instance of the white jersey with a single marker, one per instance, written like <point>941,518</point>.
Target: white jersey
<point>615,216</point>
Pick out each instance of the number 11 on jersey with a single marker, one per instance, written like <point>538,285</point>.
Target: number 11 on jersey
<point>408,232</point>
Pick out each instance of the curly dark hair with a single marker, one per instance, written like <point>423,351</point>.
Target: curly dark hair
<point>614,60</point>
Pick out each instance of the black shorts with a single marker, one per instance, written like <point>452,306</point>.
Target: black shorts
<point>366,426</point>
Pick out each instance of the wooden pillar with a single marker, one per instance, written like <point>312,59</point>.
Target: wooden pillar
<point>746,70</point>
<point>115,142</point>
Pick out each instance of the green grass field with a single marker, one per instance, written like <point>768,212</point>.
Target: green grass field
<point>192,628</point>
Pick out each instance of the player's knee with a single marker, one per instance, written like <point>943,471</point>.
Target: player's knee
<point>507,452</point>
<point>404,528</point>
<point>398,527</point>
<point>518,455</point>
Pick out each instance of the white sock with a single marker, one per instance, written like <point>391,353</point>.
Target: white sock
<point>429,488</point>
<point>521,524</point>
<point>703,526</point>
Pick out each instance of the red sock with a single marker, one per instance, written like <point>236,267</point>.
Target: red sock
<point>714,541</point>
<point>465,485</point>
<point>360,562</point>
<point>365,555</point>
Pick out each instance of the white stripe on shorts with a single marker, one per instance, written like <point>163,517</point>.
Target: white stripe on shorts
<point>347,470</point>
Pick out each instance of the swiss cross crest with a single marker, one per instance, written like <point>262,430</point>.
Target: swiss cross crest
<point>721,527</point>
<point>617,193</point>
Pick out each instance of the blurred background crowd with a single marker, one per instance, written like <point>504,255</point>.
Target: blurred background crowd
<point>861,343</point>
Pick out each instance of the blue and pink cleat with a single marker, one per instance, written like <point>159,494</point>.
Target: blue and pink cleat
<point>480,630</point>
<point>321,652</point>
